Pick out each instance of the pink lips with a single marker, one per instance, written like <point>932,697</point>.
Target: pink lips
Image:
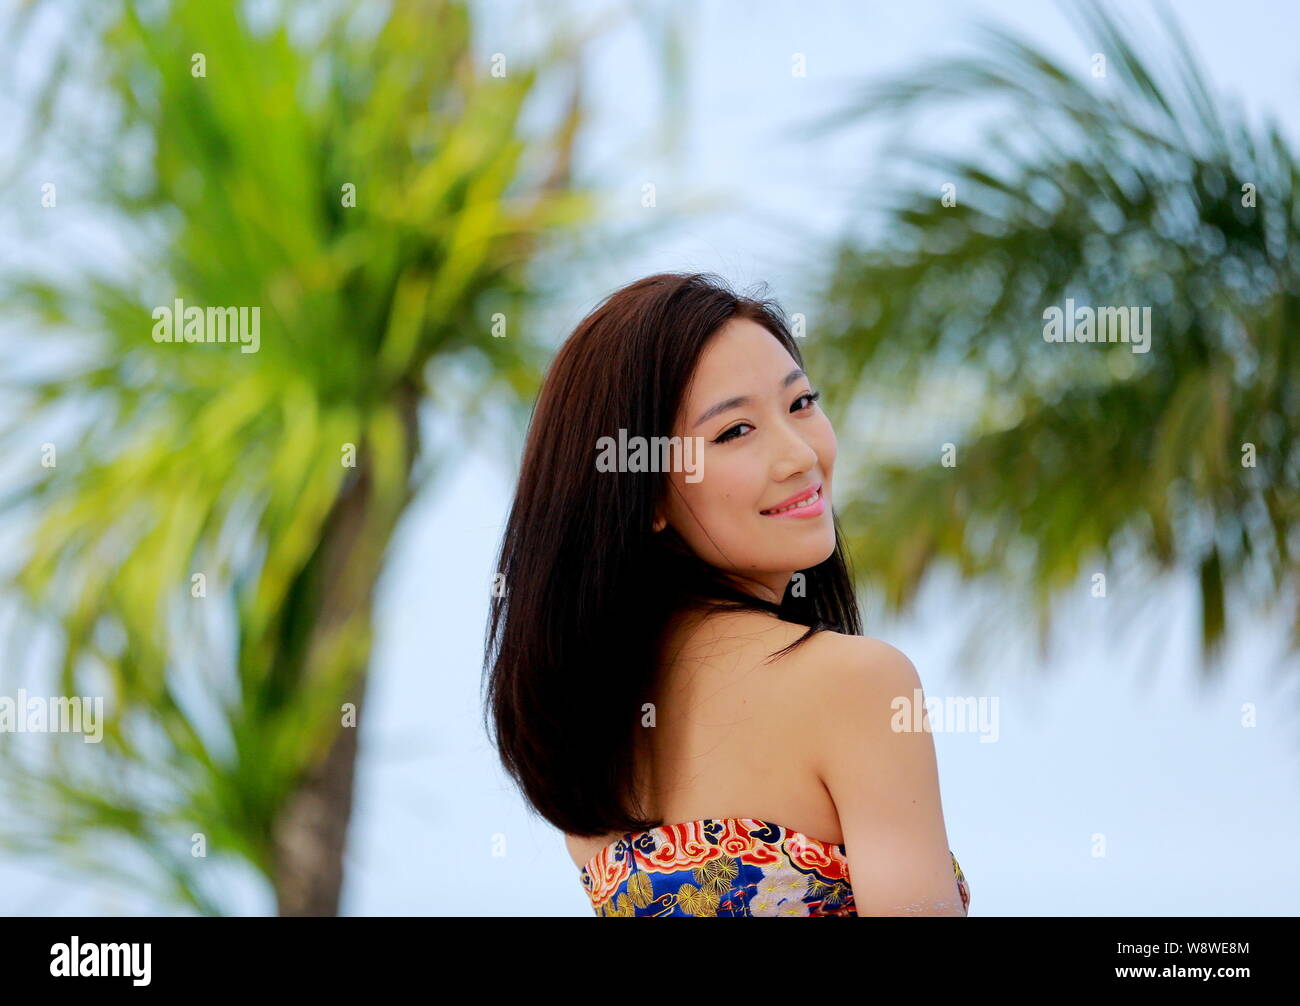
<point>815,510</point>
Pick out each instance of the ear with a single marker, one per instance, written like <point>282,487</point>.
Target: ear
<point>658,523</point>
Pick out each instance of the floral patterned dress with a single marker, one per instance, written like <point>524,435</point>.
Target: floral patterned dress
<point>728,867</point>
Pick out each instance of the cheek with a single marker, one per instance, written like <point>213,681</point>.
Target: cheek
<point>829,445</point>
<point>720,498</point>
<point>735,487</point>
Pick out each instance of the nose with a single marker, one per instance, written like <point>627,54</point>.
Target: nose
<point>792,455</point>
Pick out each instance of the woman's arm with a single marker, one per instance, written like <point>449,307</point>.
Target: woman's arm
<point>882,774</point>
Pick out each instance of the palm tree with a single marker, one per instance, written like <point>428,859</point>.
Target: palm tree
<point>1111,180</point>
<point>208,523</point>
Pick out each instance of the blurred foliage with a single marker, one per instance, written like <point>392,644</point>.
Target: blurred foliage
<point>1126,189</point>
<point>229,189</point>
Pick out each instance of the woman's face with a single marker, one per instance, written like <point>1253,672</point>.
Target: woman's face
<point>765,440</point>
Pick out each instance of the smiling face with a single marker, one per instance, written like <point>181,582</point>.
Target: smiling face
<point>767,443</point>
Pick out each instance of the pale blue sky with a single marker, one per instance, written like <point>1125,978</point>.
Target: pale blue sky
<point>1107,734</point>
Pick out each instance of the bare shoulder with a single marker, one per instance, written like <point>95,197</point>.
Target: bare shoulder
<point>853,688</point>
<point>722,633</point>
<point>828,663</point>
<point>858,666</point>
<point>874,753</point>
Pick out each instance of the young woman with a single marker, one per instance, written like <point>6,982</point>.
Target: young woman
<point>676,674</point>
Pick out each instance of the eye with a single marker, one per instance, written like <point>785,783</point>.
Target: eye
<point>731,434</point>
<point>812,396</point>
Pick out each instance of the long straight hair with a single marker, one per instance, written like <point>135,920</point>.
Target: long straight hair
<point>586,585</point>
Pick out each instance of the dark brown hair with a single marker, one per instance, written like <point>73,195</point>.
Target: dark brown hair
<point>573,636</point>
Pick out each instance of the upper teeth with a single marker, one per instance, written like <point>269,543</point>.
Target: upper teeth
<point>802,503</point>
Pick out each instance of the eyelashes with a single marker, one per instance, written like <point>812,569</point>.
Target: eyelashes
<point>731,434</point>
<point>728,434</point>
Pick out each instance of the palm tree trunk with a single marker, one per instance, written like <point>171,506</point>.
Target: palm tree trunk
<point>310,834</point>
<point>312,831</point>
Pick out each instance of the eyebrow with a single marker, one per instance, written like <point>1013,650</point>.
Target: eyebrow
<point>731,403</point>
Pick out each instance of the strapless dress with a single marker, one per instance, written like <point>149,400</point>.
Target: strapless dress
<point>724,867</point>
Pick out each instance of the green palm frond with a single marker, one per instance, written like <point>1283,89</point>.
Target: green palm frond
<point>1134,189</point>
<point>232,188</point>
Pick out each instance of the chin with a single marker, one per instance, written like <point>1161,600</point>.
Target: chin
<point>802,559</point>
<point>816,556</point>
